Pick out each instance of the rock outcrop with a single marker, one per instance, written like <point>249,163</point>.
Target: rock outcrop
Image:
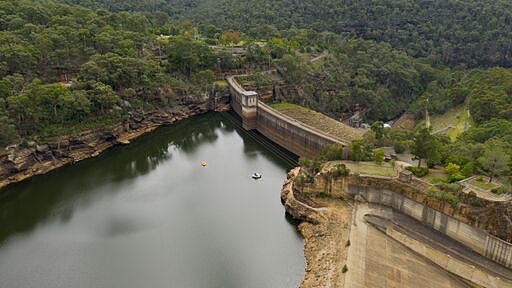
<point>19,163</point>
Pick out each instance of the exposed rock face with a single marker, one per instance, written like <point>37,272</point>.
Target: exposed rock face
<point>325,232</point>
<point>17,164</point>
<point>493,217</point>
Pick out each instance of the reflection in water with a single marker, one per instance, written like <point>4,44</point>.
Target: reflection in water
<point>147,213</point>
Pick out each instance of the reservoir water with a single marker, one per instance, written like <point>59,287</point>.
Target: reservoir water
<point>149,215</point>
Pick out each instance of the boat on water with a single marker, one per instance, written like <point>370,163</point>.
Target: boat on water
<point>256,176</point>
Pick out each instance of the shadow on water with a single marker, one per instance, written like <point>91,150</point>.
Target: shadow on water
<point>254,141</point>
<point>24,205</point>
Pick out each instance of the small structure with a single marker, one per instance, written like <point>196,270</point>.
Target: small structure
<point>356,120</point>
<point>405,176</point>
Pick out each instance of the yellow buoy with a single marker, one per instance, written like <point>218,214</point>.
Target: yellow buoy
<point>204,164</point>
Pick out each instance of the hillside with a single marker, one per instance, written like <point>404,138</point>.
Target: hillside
<point>472,33</point>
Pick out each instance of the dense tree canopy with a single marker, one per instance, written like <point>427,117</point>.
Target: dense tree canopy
<point>471,32</point>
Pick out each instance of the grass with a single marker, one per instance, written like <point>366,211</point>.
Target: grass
<point>282,106</point>
<point>221,84</point>
<point>483,184</point>
<point>371,168</point>
<point>319,121</point>
<point>436,177</point>
<point>458,118</point>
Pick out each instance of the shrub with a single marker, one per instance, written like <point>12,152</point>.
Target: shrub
<point>348,243</point>
<point>332,152</point>
<point>468,169</point>
<point>378,155</point>
<point>432,192</point>
<point>450,198</point>
<point>418,171</point>
<point>456,177</point>
<point>399,146</point>
<point>452,168</point>
<point>302,180</point>
<point>499,190</point>
<point>311,166</point>
<point>344,269</point>
<point>449,187</point>
<point>339,171</point>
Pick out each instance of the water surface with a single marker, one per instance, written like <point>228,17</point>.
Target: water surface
<point>148,215</point>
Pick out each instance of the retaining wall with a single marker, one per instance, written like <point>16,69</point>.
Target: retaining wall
<point>453,222</point>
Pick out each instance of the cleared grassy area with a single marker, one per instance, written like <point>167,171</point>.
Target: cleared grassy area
<point>436,177</point>
<point>483,184</point>
<point>282,106</point>
<point>369,168</point>
<point>319,121</point>
<point>457,119</point>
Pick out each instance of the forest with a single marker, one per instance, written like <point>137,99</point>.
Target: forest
<point>66,68</point>
<point>471,33</point>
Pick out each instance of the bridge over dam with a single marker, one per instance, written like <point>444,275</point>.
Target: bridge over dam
<point>295,136</point>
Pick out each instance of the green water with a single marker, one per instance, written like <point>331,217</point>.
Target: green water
<point>148,215</point>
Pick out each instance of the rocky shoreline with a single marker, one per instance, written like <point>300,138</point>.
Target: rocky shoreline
<point>335,211</point>
<point>18,164</point>
<point>325,232</point>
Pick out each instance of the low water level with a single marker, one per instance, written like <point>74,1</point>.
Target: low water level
<point>148,215</point>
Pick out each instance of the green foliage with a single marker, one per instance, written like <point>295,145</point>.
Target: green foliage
<point>339,170</point>
<point>378,155</point>
<point>204,78</point>
<point>332,152</point>
<point>311,166</point>
<point>8,132</point>
<point>378,128</point>
<point>344,269</point>
<point>454,32</point>
<point>495,162</point>
<point>188,56</point>
<point>399,146</point>
<point>444,195</point>
<point>451,168</point>
<point>358,75</point>
<point>426,146</point>
<point>500,190</point>
<point>302,180</point>
<point>449,187</point>
<point>418,171</point>
<point>293,69</point>
<point>356,150</point>
<point>450,198</point>
<point>457,176</point>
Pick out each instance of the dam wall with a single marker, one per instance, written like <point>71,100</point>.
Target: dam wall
<point>292,135</point>
<point>475,238</point>
<point>296,137</point>
<point>458,223</point>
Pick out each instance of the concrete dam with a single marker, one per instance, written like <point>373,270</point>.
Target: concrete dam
<point>296,137</point>
<point>307,141</point>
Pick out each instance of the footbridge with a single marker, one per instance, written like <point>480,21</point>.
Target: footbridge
<point>295,136</point>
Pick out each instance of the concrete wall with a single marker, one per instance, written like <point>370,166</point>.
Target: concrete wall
<point>244,103</point>
<point>450,264</point>
<point>290,134</point>
<point>294,136</point>
<point>475,238</point>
